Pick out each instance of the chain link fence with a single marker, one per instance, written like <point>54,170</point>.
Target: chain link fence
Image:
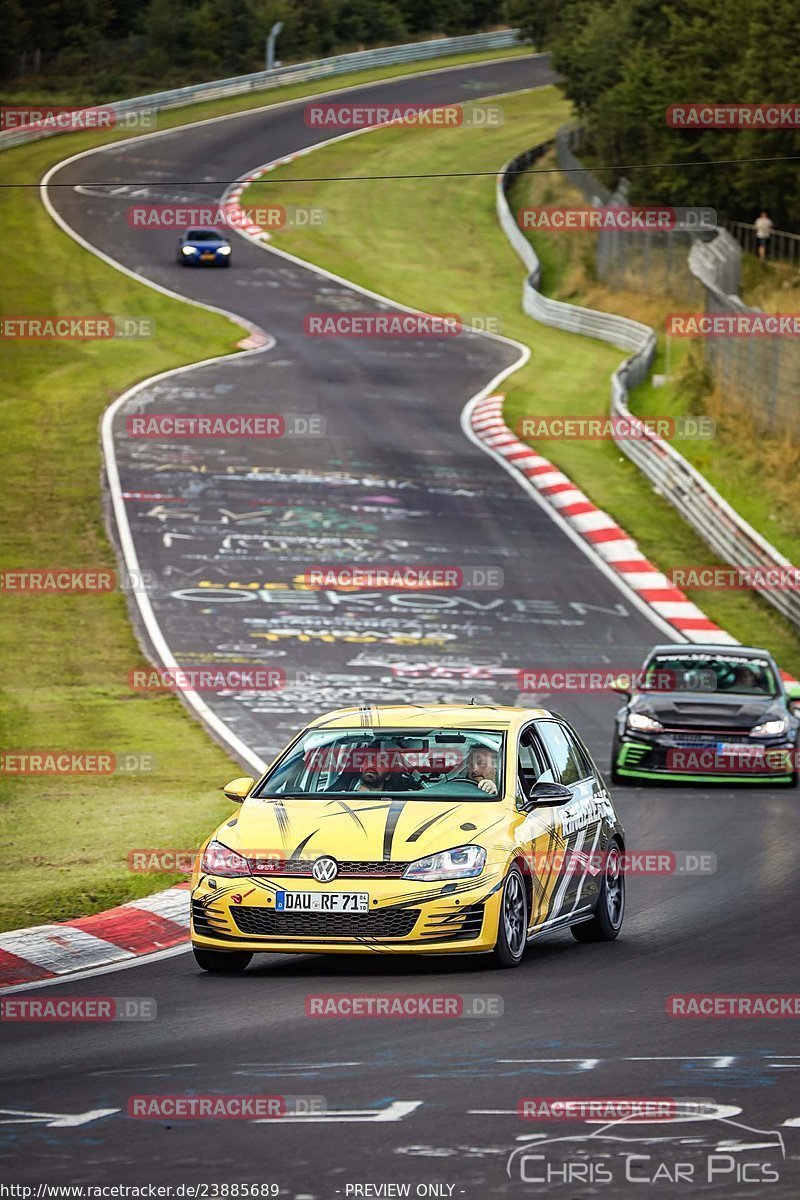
<point>700,505</point>
<point>702,271</point>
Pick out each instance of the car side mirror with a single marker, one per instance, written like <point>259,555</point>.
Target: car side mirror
<point>621,684</point>
<point>545,792</point>
<point>239,789</point>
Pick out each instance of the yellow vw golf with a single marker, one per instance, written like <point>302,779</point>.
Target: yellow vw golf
<point>413,830</point>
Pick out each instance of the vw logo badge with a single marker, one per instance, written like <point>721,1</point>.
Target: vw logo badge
<point>325,869</point>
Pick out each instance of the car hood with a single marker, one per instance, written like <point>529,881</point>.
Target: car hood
<point>364,828</point>
<point>690,710</point>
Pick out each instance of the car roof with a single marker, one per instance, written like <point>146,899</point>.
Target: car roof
<point>427,716</point>
<point>204,229</point>
<point>713,648</point>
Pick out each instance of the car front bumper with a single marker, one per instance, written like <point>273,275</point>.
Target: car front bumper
<point>657,757</point>
<point>404,917</point>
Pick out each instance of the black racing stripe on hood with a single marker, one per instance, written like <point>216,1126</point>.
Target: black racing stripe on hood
<point>282,817</point>
<point>350,812</point>
<point>392,817</point>
<point>417,834</point>
<point>298,850</point>
<point>369,808</point>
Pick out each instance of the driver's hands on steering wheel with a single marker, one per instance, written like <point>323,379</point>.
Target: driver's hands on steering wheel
<point>487,785</point>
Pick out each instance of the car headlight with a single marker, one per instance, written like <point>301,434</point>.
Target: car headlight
<point>641,721</point>
<point>461,863</point>
<point>770,728</point>
<point>189,250</point>
<point>223,249</point>
<point>220,860</point>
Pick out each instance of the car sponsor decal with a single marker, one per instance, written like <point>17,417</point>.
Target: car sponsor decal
<point>585,812</point>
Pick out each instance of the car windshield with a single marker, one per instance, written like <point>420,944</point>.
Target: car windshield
<point>415,764</point>
<point>203,235</point>
<point>730,674</point>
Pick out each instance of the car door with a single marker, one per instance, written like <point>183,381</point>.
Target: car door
<point>577,823</point>
<point>535,831</point>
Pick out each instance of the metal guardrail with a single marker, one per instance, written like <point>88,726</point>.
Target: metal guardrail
<point>782,246</point>
<point>319,68</point>
<point>700,505</point>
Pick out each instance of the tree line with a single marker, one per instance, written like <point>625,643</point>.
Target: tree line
<point>104,49</point>
<point>624,62</point>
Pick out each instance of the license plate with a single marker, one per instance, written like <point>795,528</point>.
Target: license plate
<point>335,902</point>
<point>207,257</point>
<point>730,749</point>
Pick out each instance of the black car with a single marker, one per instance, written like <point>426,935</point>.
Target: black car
<point>707,713</point>
<point>204,248</point>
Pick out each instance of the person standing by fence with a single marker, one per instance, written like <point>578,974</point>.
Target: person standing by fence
<point>763,227</point>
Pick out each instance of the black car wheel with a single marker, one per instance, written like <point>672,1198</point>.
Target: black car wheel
<point>512,926</point>
<point>610,910</point>
<point>222,962</point>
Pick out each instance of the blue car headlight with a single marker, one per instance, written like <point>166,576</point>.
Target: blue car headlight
<point>463,862</point>
<point>189,250</point>
<point>223,249</point>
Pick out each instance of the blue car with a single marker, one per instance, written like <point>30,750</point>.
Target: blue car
<point>204,248</point>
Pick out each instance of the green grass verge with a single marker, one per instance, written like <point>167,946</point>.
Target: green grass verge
<point>64,841</point>
<point>435,244</point>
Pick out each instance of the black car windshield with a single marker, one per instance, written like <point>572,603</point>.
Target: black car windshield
<point>204,235</point>
<point>727,674</point>
<point>412,763</point>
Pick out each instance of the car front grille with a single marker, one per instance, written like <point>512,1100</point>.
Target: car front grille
<point>702,737</point>
<point>351,868</point>
<point>266,922</point>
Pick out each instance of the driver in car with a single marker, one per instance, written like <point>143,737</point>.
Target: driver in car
<point>747,680</point>
<point>366,774</point>
<point>482,768</point>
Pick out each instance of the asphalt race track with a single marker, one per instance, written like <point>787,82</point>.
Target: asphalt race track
<point>393,480</point>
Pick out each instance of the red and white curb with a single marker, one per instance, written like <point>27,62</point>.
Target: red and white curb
<point>607,539</point>
<point>43,952</point>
